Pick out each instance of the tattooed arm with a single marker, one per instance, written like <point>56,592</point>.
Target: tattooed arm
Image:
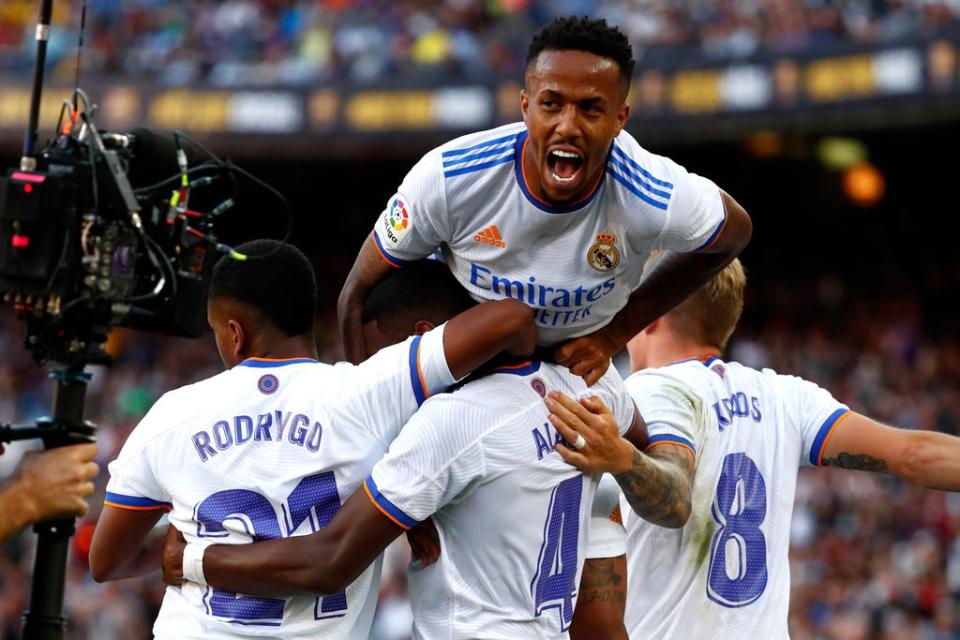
<point>926,458</point>
<point>656,484</point>
<point>602,600</point>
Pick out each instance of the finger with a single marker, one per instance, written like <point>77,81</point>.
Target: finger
<point>560,412</point>
<point>81,508</point>
<point>601,368</point>
<point>84,489</point>
<point>89,470</point>
<point>571,457</point>
<point>593,376</point>
<point>82,452</point>
<point>574,414</point>
<point>570,435</point>
<point>567,352</point>
<point>595,405</point>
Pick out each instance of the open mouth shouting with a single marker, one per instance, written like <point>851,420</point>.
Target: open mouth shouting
<point>564,169</point>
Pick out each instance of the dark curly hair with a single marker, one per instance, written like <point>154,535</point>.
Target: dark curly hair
<point>585,34</point>
<point>278,282</point>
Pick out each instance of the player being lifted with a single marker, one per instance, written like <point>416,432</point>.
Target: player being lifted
<point>726,574</point>
<point>269,448</point>
<point>559,211</point>
<point>510,514</point>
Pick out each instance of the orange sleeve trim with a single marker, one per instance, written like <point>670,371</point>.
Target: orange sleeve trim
<point>129,508</point>
<point>382,510</point>
<point>385,257</point>
<point>826,440</point>
<point>423,383</point>
<point>674,443</point>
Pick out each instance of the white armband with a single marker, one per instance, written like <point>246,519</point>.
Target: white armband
<point>193,562</point>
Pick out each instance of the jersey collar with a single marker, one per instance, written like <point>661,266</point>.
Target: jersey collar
<point>521,145</point>
<point>269,363</point>
<point>704,361</point>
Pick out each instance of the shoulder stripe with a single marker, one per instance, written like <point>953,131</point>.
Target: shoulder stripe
<point>483,165</point>
<point>669,438</point>
<point>387,508</point>
<point>481,145</point>
<point>633,163</point>
<point>823,435</point>
<point>503,148</point>
<point>640,182</point>
<point>634,190</point>
<point>135,503</point>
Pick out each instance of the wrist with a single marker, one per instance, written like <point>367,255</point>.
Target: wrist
<point>193,562</point>
<point>24,507</point>
<point>626,453</point>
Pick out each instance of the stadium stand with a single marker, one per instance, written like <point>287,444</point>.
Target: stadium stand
<point>264,42</point>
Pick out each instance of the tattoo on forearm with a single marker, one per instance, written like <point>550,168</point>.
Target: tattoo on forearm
<point>658,490</point>
<point>859,461</point>
<point>601,583</point>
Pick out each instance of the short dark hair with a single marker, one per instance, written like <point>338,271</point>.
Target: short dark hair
<point>276,280</point>
<point>570,33</point>
<point>422,290</point>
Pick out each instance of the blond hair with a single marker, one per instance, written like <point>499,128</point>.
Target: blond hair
<point>710,314</point>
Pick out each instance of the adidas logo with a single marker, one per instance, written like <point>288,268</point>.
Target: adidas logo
<point>491,235</point>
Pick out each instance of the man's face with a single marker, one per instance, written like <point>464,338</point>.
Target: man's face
<point>574,105</point>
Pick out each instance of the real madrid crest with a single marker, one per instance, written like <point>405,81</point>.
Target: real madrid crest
<point>603,255</point>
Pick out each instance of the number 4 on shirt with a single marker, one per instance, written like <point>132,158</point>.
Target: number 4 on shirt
<point>554,584</point>
<point>316,494</point>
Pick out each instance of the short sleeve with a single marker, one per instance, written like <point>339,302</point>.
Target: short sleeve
<point>673,411</point>
<point>606,537</point>
<point>134,484</point>
<point>696,215</point>
<point>414,223</point>
<point>386,389</point>
<point>815,412</point>
<point>436,458</point>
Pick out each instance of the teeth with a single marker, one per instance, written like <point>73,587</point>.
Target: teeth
<point>559,179</point>
<point>564,154</point>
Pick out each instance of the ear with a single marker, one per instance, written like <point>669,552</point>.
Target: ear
<point>524,104</point>
<point>422,327</point>
<point>238,339</point>
<point>622,116</point>
<point>653,327</point>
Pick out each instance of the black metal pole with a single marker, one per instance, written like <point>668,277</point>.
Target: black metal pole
<point>42,36</point>
<point>44,619</point>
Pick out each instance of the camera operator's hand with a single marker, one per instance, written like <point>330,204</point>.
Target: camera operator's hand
<point>173,548</point>
<point>49,485</point>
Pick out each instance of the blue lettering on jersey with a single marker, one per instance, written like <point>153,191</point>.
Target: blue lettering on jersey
<point>555,305</point>
<point>545,438</point>
<point>225,434</point>
<point>737,406</point>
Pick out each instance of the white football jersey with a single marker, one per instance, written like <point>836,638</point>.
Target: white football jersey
<point>576,265</point>
<point>511,514</point>
<point>270,449</point>
<point>725,575</point>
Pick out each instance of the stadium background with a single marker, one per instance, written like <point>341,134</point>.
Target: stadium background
<point>835,123</point>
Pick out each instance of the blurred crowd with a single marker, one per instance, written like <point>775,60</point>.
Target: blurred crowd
<point>262,42</point>
<point>871,557</point>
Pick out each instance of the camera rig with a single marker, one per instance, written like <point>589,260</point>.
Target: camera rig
<point>82,250</point>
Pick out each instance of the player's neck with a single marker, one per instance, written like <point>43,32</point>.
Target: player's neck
<point>284,348</point>
<point>669,350</point>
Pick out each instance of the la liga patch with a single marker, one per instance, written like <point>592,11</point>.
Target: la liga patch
<point>396,220</point>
